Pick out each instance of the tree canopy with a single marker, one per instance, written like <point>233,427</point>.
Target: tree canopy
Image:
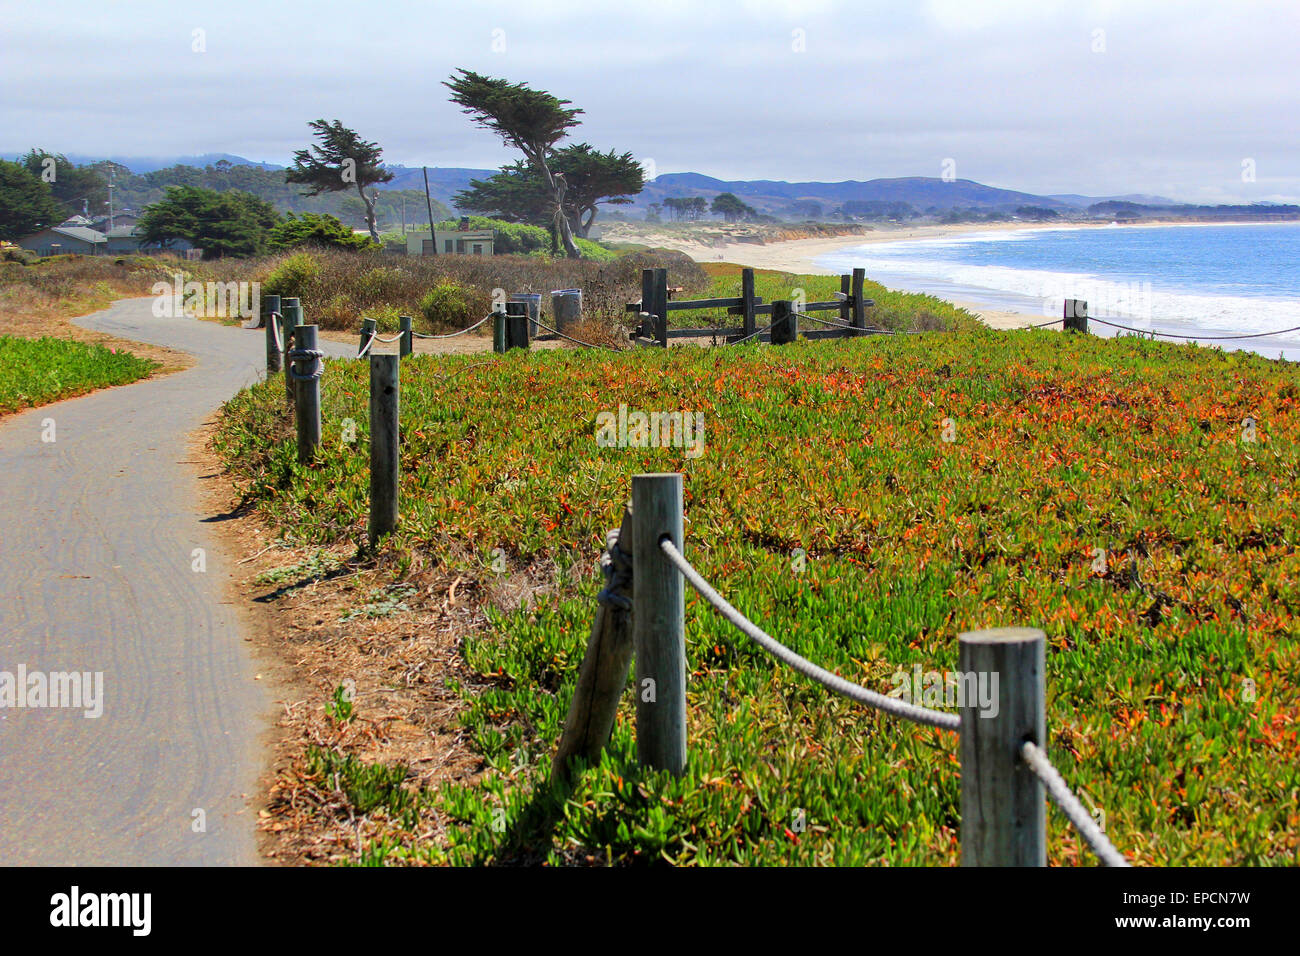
<point>26,203</point>
<point>519,193</point>
<point>312,229</point>
<point>732,207</point>
<point>221,224</point>
<point>81,189</point>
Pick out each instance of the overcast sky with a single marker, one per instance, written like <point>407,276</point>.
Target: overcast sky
<point>1169,98</point>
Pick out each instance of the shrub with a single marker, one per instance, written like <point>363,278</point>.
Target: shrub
<point>293,277</point>
<point>451,305</point>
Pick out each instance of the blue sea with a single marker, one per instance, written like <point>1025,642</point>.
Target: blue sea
<point>1193,280</point>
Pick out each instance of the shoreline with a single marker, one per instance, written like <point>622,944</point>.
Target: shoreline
<point>799,255</point>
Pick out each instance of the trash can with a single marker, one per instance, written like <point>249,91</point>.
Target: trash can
<point>566,306</point>
<point>534,302</point>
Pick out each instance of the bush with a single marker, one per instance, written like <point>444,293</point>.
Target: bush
<point>451,305</point>
<point>293,277</point>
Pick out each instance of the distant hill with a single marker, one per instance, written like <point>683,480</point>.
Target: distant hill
<point>772,197</point>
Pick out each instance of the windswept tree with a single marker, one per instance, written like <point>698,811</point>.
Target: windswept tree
<point>532,121</point>
<point>341,160</point>
<point>519,193</point>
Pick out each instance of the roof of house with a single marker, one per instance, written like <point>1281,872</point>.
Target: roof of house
<point>123,232</point>
<point>75,221</point>
<point>80,232</point>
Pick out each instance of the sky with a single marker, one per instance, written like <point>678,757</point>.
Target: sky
<point>1195,100</point>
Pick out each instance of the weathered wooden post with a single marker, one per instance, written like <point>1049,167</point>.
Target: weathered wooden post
<point>369,327</point>
<point>602,676</point>
<point>304,371</point>
<point>1003,807</point>
<point>658,624</point>
<point>498,331</point>
<point>271,319</point>
<point>785,322</point>
<point>384,409</point>
<point>846,297</point>
<point>293,317</point>
<point>859,301</point>
<point>660,309</point>
<point>646,328</point>
<point>1076,315</point>
<point>517,321</point>
<point>406,344</point>
<point>748,326</point>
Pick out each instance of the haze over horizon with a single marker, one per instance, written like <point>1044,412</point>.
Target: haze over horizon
<point>1033,96</point>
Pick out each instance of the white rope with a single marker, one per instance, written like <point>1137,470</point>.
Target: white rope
<point>589,345</point>
<point>1194,338</point>
<point>366,348</point>
<point>423,335</point>
<point>751,335</point>
<point>315,370</point>
<point>1036,759</point>
<point>892,705</point>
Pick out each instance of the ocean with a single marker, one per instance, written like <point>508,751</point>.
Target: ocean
<point>1192,280</point>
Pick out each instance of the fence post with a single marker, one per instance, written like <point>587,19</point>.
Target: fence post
<point>846,294</point>
<point>384,408</point>
<point>517,321</point>
<point>1003,807</point>
<point>647,303</point>
<point>859,304</point>
<point>306,395</point>
<point>369,327</point>
<point>785,323</point>
<point>747,325</point>
<point>658,624</point>
<point>270,315</point>
<point>498,331</point>
<point>1076,315</point>
<point>406,344</point>
<point>289,320</point>
<point>661,307</point>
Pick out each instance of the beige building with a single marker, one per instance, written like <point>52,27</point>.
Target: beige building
<point>464,242</point>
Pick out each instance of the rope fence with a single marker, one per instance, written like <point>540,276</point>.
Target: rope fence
<point>1006,774</point>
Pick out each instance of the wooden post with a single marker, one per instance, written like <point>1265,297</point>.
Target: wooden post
<point>271,319</point>
<point>517,321</point>
<point>292,318</point>
<point>406,344</point>
<point>369,327</point>
<point>785,323</point>
<point>658,624</point>
<point>1076,315</point>
<point>384,409</point>
<point>307,396</point>
<point>661,307</point>
<point>647,302</point>
<point>1003,808</point>
<point>846,306</point>
<point>498,332</point>
<point>748,325</point>
<point>859,302</point>
<point>602,678</point>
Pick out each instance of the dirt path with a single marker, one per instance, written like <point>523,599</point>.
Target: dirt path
<point>99,567</point>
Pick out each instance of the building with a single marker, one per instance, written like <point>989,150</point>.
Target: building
<point>82,240</point>
<point>462,241</point>
<point>60,240</point>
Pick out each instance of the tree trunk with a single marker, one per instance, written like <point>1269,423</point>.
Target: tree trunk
<point>584,227</point>
<point>559,188</point>
<point>370,212</point>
